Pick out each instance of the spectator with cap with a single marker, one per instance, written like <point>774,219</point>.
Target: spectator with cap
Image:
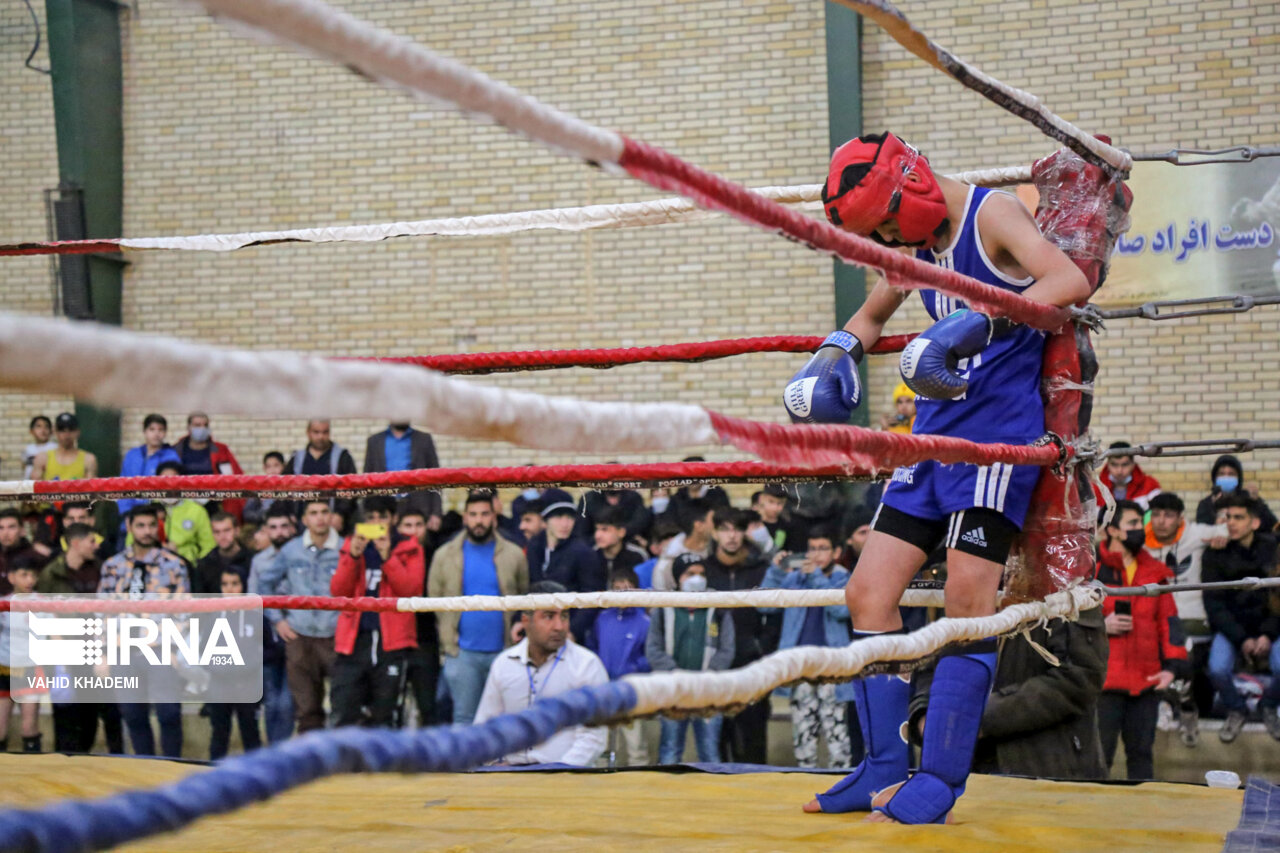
<point>305,566</point>
<point>546,663</point>
<point>557,555</point>
<point>202,455</point>
<point>65,460</point>
<point>322,456</point>
<point>1181,545</point>
<point>1126,480</point>
<point>903,416</point>
<point>477,563</point>
<point>277,701</point>
<point>400,447</point>
<point>144,460</point>
<point>771,505</point>
<point>1243,622</point>
<point>731,566</point>
<point>696,639</point>
<point>373,649</point>
<point>41,430</point>
<point>186,524</point>
<point>1227,479</point>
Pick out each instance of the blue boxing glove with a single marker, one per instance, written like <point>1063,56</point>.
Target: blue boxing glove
<point>929,364</point>
<point>827,390</point>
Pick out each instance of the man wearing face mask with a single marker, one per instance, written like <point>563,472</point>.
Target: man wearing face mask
<point>1227,477</point>
<point>1146,642</point>
<point>697,639</point>
<point>1126,480</point>
<point>202,455</point>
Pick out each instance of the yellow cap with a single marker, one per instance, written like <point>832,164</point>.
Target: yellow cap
<point>903,391</point>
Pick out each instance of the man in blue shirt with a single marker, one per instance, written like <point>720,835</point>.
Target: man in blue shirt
<point>476,563</point>
<point>143,460</point>
<point>400,447</point>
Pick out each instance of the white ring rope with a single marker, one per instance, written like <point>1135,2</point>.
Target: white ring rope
<point>663,211</point>
<point>649,598</point>
<point>702,691</point>
<point>118,368</point>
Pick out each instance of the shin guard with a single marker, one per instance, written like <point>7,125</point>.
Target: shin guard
<point>881,702</point>
<point>961,685</point>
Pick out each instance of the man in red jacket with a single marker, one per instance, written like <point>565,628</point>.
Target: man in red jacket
<point>373,649</point>
<point>1146,640</point>
<point>1126,480</point>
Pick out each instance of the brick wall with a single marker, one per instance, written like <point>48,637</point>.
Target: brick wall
<point>225,134</point>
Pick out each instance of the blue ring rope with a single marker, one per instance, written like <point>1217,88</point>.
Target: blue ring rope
<point>75,825</point>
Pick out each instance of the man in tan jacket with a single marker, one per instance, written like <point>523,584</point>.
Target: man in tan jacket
<point>474,563</point>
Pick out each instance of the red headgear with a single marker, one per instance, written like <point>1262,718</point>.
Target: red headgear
<point>867,185</point>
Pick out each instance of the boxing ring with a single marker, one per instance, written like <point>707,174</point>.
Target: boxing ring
<point>74,803</point>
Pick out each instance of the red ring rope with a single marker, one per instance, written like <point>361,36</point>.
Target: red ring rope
<point>501,362</point>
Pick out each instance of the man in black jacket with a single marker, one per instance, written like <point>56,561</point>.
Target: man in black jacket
<point>1041,719</point>
<point>734,565</point>
<point>557,555</point>
<point>1241,620</point>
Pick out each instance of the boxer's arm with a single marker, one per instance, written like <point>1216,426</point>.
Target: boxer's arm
<point>1007,227</point>
<point>867,323</point>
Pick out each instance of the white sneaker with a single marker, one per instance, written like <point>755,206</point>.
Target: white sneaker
<point>1166,721</point>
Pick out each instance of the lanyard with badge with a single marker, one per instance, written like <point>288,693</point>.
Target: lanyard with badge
<point>529,671</point>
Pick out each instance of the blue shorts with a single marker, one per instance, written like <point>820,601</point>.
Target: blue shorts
<point>933,491</point>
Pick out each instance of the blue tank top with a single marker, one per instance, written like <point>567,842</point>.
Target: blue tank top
<point>1002,403</point>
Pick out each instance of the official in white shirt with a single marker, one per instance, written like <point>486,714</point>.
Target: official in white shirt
<point>545,663</point>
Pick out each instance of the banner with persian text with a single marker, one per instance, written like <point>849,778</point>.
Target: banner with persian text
<point>1198,231</point>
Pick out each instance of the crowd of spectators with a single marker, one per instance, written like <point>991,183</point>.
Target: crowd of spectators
<point>1137,664</point>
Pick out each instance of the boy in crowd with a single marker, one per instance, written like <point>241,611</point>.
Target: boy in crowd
<point>232,582</point>
<point>41,429</point>
<point>186,523</point>
<point>735,565</point>
<point>1181,545</point>
<point>23,574</point>
<point>815,707</point>
<point>697,639</point>
<point>1242,620</point>
<point>619,637</point>
<point>612,547</point>
<point>660,540</point>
